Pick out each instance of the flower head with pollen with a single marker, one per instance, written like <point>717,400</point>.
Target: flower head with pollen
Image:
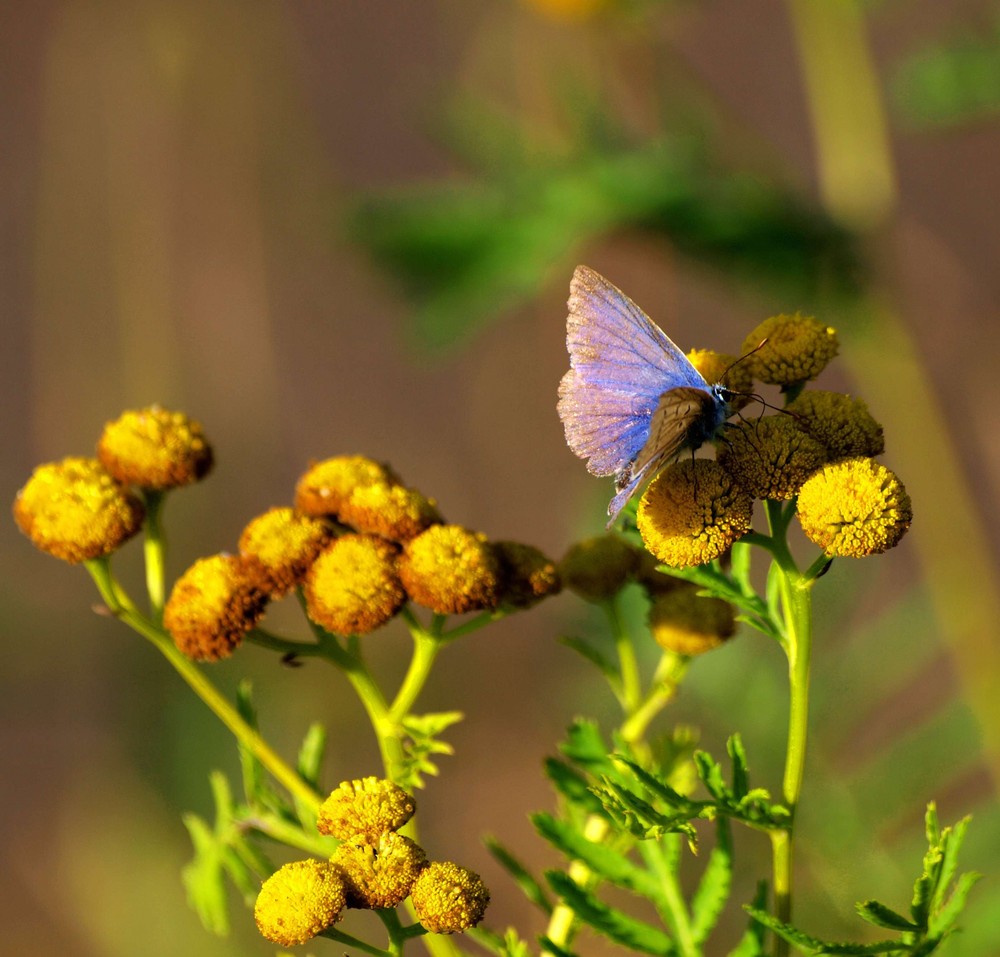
<point>299,901</point>
<point>854,508</point>
<point>597,568</point>
<point>326,485</point>
<point>76,511</point>
<point>449,899</point>
<point>392,511</point>
<point>155,448</point>
<point>731,371</point>
<point>451,570</point>
<point>213,605</point>
<point>283,543</point>
<point>687,623</point>
<point>379,873</point>
<point>353,587</point>
<point>770,457</point>
<point>368,807</point>
<point>843,425</point>
<point>692,513</point>
<point>798,348</point>
<point>528,575</point>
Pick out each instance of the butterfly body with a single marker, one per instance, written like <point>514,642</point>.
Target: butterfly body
<point>631,401</point>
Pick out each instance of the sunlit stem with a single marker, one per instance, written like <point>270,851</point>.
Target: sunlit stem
<point>154,551</point>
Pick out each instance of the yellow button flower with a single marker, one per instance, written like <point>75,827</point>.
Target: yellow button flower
<point>213,605</point>
<point>299,901</point>
<point>368,807</point>
<point>353,587</point>
<point>797,349</point>
<point>853,508</point>
<point>284,544</point>
<point>76,511</point>
<point>770,457</point>
<point>692,513</point>
<point>528,576</point>
<point>324,488</point>
<point>687,623</point>
<point>155,448</point>
<point>843,425</point>
<point>597,568</point>
<point>451,570</point>
<point>733,373</point>
<point>392,511</point>
<point>379,873</point>
<point>449,899</point>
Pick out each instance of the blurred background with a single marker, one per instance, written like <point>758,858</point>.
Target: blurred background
<point>328,228</point>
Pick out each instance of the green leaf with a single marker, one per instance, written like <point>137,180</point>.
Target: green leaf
<point>741,773</point>
<point>716,881</point>
<point>311,753</point>
<point>752,942</point>
<point>882,916</point>
<point>944,920</point>
<point>420,742</point>
<point>591,654</point>
<point>585,747</point>
<point>572,785</point>
<point>813,945</point>
<point>550,946</point>
<point>524,879</point>
<point>204,878</point>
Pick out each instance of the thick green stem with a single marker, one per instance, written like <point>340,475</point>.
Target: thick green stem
<point>154,552</point>
<point>630,689</point>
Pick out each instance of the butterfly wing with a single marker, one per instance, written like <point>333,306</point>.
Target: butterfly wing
<point>621,364</point>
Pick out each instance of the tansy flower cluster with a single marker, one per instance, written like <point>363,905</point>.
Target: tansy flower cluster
<point>374,867</point>
<point>818,451</point>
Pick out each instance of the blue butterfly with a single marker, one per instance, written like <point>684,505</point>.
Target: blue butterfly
<point>631,401</point>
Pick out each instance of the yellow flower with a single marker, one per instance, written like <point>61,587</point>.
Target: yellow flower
<point>368,807</point>
<point>770,457</point>
<point>449,899</point>
<point>797,349</point>
<point>451,570</point>
<point>687,623</point>
<point>353,587</point>
<point>155,448</point>
<point>379,873</point>
<point>392,511</point>
<point>598,568</point>
<point>528,576</point>
<point>692,513</point>
<point>843,425</point>
<point>76,511</point>
<point>283,543</point>
<point>853,508</point>
<point>213,605</point>
<point>324,488</point>
<point>731,371</point>
<point>299,901</point>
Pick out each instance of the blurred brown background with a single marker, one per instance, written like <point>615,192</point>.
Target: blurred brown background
<point>175,177</point>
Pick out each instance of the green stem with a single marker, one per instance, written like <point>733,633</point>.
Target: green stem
<point>630,689</point>
<point>292,835</point>
<point>669,673</point>
<point>426,648</point>
<point>348,941</point>
<point>154,552</point>
<point>676,915</point>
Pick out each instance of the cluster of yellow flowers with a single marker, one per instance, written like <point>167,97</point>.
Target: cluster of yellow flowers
<point>820,449</point>
<point>374,867</point>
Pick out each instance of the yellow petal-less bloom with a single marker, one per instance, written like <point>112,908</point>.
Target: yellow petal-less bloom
<point>213,605</point>
<point>326,485</point>
<point>797,349</point>
<point>76,511</point>
<point>392,511</point>
<point>379,873</point>
<point>155,448</point>
<point>353,587</point>
<point>687,623</point>
<point>770,457</point>
<point>528,575</point>
<point>692,513</point>
<point>299,901</point>
<point>449,899</point>
<point>735,375</point>
<point>284,544</point>
<point>598,568</point>
<point>368,807</point>
<point>451,570</point>
<point>843,425</point>
<point>853,508</point>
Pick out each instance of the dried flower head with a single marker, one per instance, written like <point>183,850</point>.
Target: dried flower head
<point>392,511</point>
<point>284,544</point>
<point>843,425</point>
<point>692,513</point>
<point>379,873</point>
<point>213,605</point>
<point>326,485</point>
<point>853,508</point>
<point>598,568</point>
<point>368,807</point>
<point>528,575</point>
<point>798,348</point>
<point>155,448</point>
<point>687,623</point>
<point>770,457</point>
<point>299,901</point>
<point>76,511</point>
<point>449,899</point>
<point>353,587</point>
<point>451,570</point>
